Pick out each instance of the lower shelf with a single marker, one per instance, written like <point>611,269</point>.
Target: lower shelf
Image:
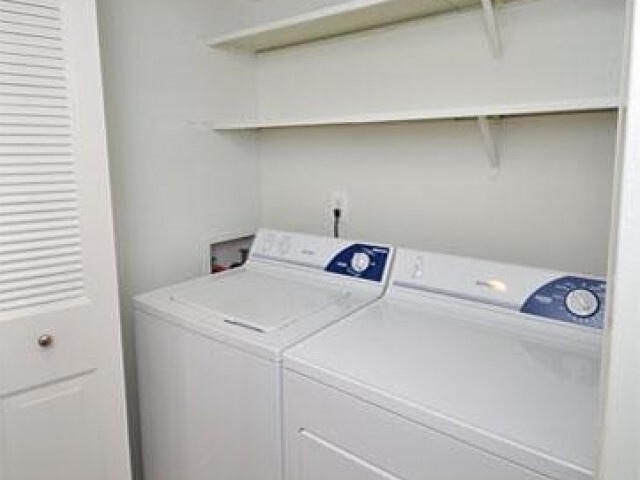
<point>568,106</point>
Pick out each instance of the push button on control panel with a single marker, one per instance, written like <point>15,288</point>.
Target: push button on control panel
<point>417,269</point>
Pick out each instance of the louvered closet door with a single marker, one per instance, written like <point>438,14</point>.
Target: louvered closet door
<point>61,387</point>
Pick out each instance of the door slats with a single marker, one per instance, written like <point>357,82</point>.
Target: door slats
<point>31,265</point>
<point>9,40</point>
<point>31,170</point>
<point>40,240</point>
<point>42,80</point>
<point>70,292</point>
<point>11,211</point>
<point>30,10</point>
<point>20,239</point>
<point>38,293</point>
<point>42,255</point>
<point>51,5</point>
<point>33,111</point>
<point>29,18</point>
<point>47,225</point>
<point>40,273</point>
<point>38,245</point>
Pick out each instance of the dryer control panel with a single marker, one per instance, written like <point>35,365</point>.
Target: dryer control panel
<point>545,293</point>
<point>570,299</point>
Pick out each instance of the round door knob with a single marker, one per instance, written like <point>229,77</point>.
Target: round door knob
<point>45,340</point>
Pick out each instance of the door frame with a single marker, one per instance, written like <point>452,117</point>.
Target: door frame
<point>619,434</point>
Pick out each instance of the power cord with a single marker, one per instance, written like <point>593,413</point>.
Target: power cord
<point>337,213</point>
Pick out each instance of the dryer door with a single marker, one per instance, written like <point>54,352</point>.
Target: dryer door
<point>320,460</point>
<point>330,435</point>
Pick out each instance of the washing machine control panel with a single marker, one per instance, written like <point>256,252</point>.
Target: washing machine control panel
<point>360,260</point>
<point>334,255</point>
<point>570,299</point>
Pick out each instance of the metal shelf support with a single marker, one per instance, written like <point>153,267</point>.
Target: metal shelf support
<point>489,142</point>
<point>491,25</point>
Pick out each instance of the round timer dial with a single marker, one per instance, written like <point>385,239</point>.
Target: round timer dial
<point>582,303</point>
<point>360,262</point>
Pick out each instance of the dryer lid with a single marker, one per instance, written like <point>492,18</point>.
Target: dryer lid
<point>259,301</point>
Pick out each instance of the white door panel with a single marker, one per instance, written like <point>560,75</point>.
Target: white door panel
<point>62,400</point>
<point>50,432</point>
<point>71,353</point>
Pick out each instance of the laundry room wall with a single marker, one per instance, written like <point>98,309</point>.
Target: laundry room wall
<point>175,183</point>
<point>428,185</point>
<point>272,10</point>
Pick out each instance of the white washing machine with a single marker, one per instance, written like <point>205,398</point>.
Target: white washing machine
<point>465,370</point>
<point>209,352</point>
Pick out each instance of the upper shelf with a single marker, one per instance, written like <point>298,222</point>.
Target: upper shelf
<point>554,107</point>
<point>347,17</point>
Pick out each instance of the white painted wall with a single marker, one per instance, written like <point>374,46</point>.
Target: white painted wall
<point>270,10</point>
<point>173,184</point>
<point>428,185</point>
<point>553,50</point>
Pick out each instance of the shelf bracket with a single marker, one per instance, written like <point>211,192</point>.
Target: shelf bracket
<point>491,25</point>
<point>489,142</point>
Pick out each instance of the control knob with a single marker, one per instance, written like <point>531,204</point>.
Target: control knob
<point>582,302</point>
<point>360,262</point>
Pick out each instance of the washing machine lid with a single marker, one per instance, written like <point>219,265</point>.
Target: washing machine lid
<point>260,301</point>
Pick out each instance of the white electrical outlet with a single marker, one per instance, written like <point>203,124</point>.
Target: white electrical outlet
<point>339,200</point>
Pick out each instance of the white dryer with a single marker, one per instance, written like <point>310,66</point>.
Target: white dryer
<point>209,352</point>
<point>465,370</point>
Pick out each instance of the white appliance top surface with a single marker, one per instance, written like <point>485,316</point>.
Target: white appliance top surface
<point>258,308</point>
<point>292,286</point>
<point>497,379</point>
<point>258,300</point>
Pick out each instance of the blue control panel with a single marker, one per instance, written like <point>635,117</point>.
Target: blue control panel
<point>570,299</point>
<point>361,261</point>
